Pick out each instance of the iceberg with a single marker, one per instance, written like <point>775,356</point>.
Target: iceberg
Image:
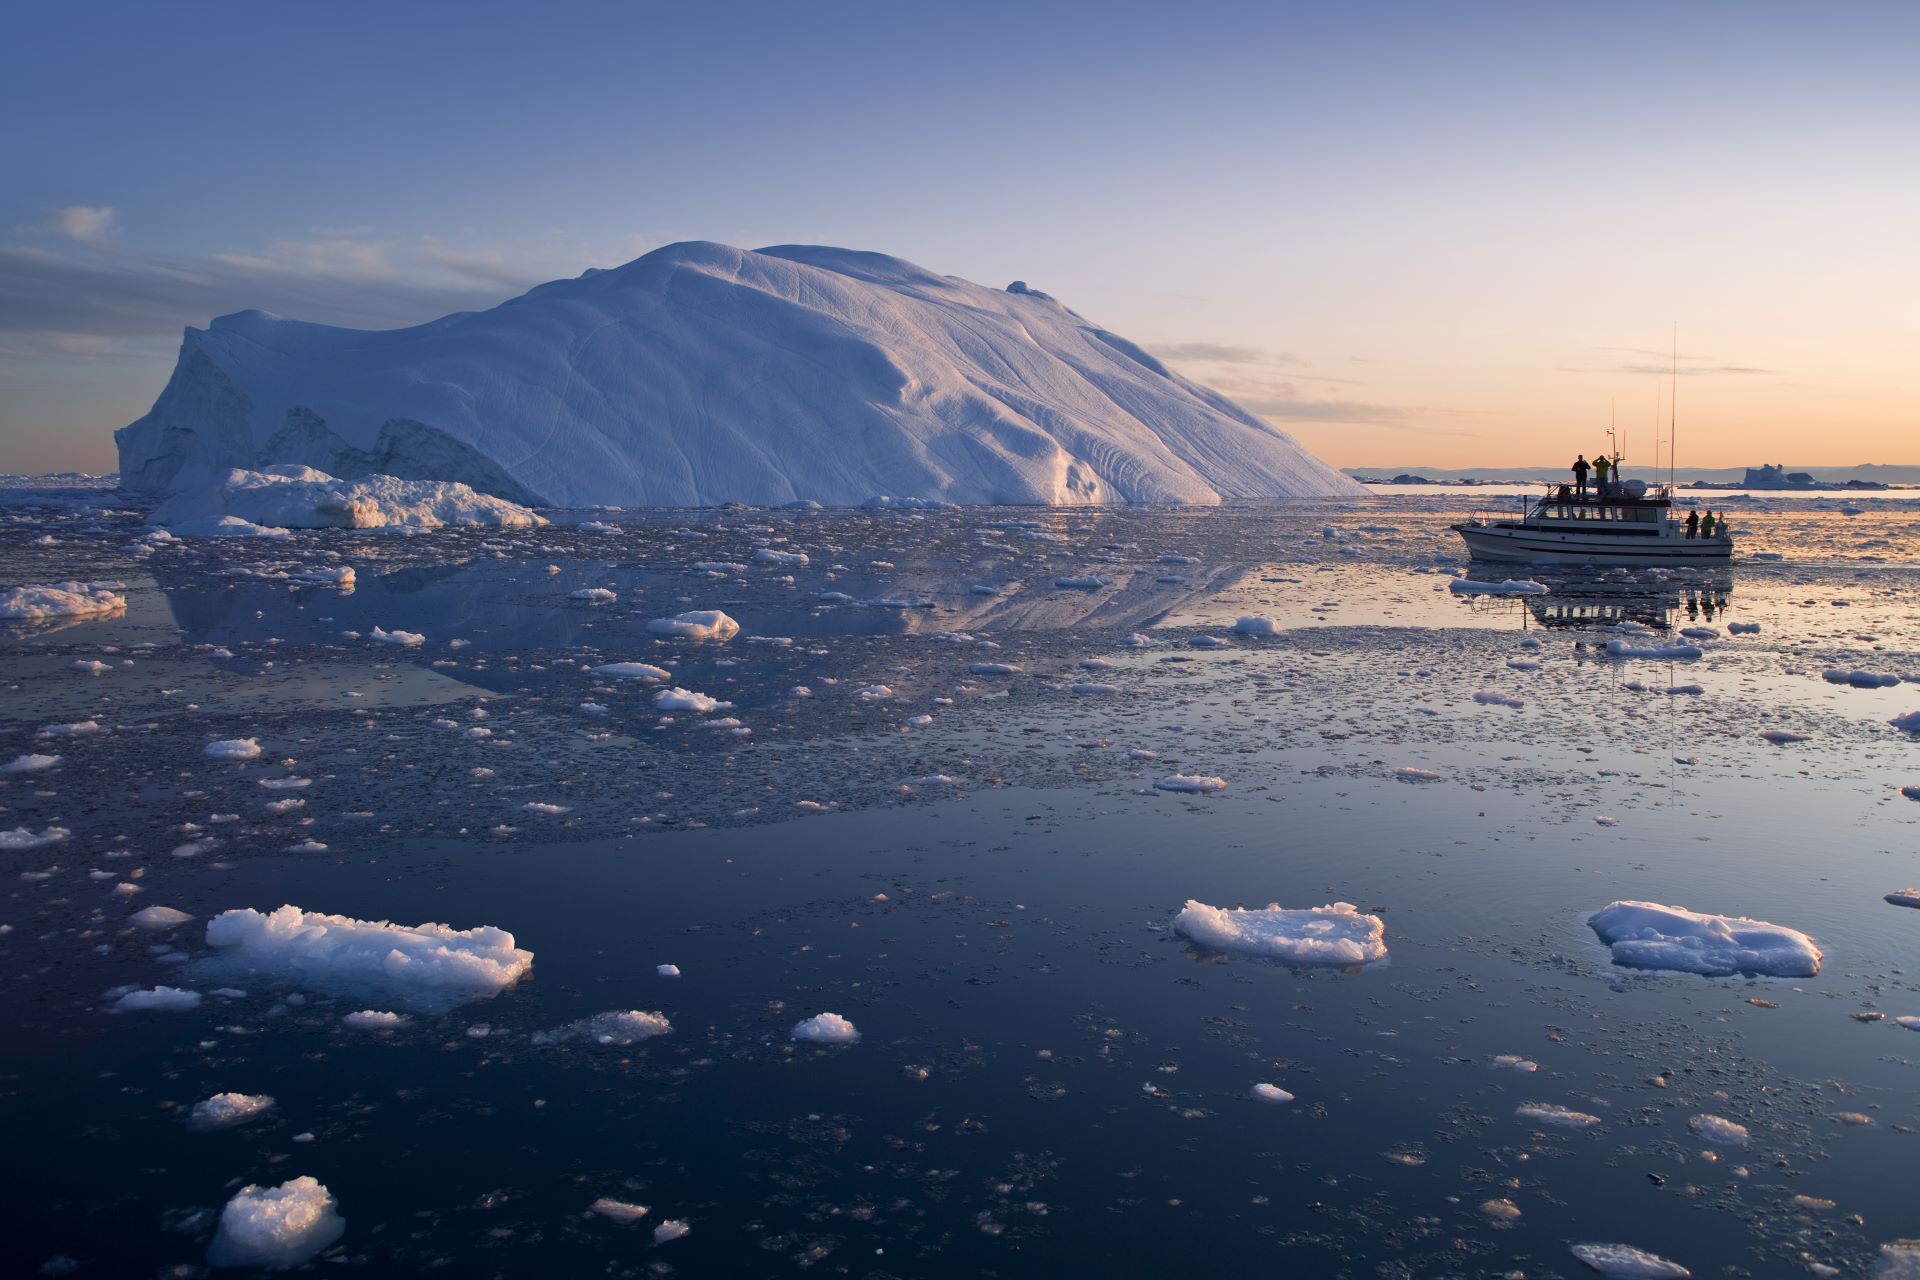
<point>1339,933</point>
<point>264,503</point>
<point>696,375</point>
<point>276,1227</point>
<point>1647,935</point>
<point>429,964</point>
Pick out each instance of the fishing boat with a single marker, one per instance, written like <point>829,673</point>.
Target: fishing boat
<point>1630,523</point>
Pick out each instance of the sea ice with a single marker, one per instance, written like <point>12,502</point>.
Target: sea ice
<point>373,1020</point>
<point>333,951</point>
<point>677,699</point>
<point>999,669</point>
<point>1647,935</point>
<point>1510,587</point>
<point>826,1028</point>
<point>1552,1113</point>
<point>1718,1130</point>
<point>405,639</point>
<point>616,1027</point>
<point>1907,723</point>
<point>595,595</point>
<point>39,601</point>
<point>670,1230</point>
<point>1338,933</point>
<point>21,838</point>
<point>632,671</point>
<point>1859,679</point>
<point>1191,782</point>
<point>204,501</point>
<point>224,1110</point>
<point>1624,1262</point>
<point>29,764</point>
<point>157,917</point>
<point>232,749</point>
<point>1271,1093</point>
<point>697,624</point>
<point>168,999</point>
<point>618,1210</point>
<point>276,1227</point>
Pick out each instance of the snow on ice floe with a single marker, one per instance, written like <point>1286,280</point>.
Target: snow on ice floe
<point>697,624</point>
<point>39,602</point>
<point>31,763</point>
<point>632,671</point>
<point>826,1028</point>
<point>426,963</point>
<point>1508,587</point>
<point>276,1227</point>
<point>1190,782</point>
<point>616,1027</point>
<point>225,1110</point>
<point>1337,934</point>
<point>163,999</point>
<point>1718,1130</point>
<point>206,501</point>
<point>1552,1113</point>
<point>1648,935</point>
<point>1270,1093</point>
<point>1624,1262</point>
<point>232,749</point>
<point>1668,652</point>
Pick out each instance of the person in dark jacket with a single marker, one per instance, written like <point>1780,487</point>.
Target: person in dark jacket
<point>1580,474</point>
<point>1693,524</point>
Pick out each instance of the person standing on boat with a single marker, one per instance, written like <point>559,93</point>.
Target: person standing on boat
<point>1693,524</point>
<point>1709,524</point>
<point>1600,469</point>
<point>1580,474</point>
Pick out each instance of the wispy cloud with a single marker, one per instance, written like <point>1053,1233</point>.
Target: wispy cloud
<point>85,223</point>
<point>1218,353</point>
<point>1665,364</point>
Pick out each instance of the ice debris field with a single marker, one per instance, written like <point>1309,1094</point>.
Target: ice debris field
<point>911,891</point>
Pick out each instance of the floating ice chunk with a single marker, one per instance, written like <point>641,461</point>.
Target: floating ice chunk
<point>615,1027</point>
<point>21,838</point>
<point>424,961</point>
<point>874,693</point>
<point>373,1020</point>
<point>1552,1113</point>
<point>1908,723</point>
<point>1191,782</point>
<point>68,730</point>
<point>1510,587</point>
<point>1624,1262</point>
<point>1410,774</point>
<point>276,1227</point>
<point>405,639</point>
<point>1700,633</point>
<point>670,1230</point>
<point>90,667</point>
<point>1137,641</point>
<point>1670,652</point>
<point>1718,1130</point>
<point>167,999</point>
<point>1859,679</point>
<point>157,917</point>
<point>341,576</point>
<point>1514,1062</point>
<point>1209,642</point>
<point>1492,699</point>
<point>697,624</point>
<point>1255,625</point>
<point>224,1110</point>
<point>767,555</point>
<point>1743,628</point>
<point>1338,933</point>
<point>1083,582</point>
<point>993,669</point>
<point>618,1210</point>
<point>1782,737</point>
<point>677,699</point>
<point>1096,688</point>
<point>632,671</point>
<point>551,810</point>
<point>38,602</point>
<point>1911,793</point>
<point>232,749</point>
<point>295,497</point>
<point>667,970</point>
<point>1271,1093</point>
<point>826,1028</point>
<point>595,595</point>
<point>29,764</point>
<point>1647,935</point>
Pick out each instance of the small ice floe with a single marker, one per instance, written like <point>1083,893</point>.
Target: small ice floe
<point>225,1110</point>
<point>615,1027</point>
<point>595,595</point>
<point>1255,625</point>
<point>1605,821</point>
<point>993,669</point>
<point>340,952</point>
<point>1491,699</point>
<point>1411,774</point>
<point>667,970</point>
<point>1909,1021</point>
<point>38,602</point>
<point>90,667</point>
<point>1667,652</point>
<point>826,1028</point>
<point>1648,935</point>
<point>1190,782</point>
<point>1514,1062</point>
<point>1908,723</point>
<point>29,764</point>
<point>1700,633</point>
<point>1179,559</point>
<point>341,576</point>
<point>1510,587</point>
<point>874,693</point>
<point>276,1227</point>
<point>160,999</point>
<point>632,671</point>
<point>1271,1093</point>
<point>232,749</point>
<point>1782,737</point>
<point>1624,1262</point>
<point>1859,679</point>
<point>1743,628</point>
<point>767,555</point>
<point>696,624</point>
<point>618,1210</point>
<point>1552,1113</point>
<point>68,730</point>
<point>1503,1213</point>
<point>405,639</point>
<point>1338,933</point>
<point>1083,582</point>
<point>551,810</point>
<point>670,1230</point>
<point>1718,1130</point>
<point>1911,793</point>
<point>598,526</point>
<point>1095,688</point>
<point>921,721</point>
<point>1208,642</point>
<point>157,917</point>
<point>373,1020</point>
<point>1904,897</point>
<point>22,838</point>
<point>1136,641</point>
<point>678,699</point>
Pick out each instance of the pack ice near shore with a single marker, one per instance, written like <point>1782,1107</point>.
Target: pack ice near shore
<point>702,374</point>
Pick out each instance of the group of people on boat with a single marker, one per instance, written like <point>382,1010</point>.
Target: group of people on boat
<point>1709,526</point>
<point>1606,474</point>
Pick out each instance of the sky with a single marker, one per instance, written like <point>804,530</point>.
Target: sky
<point>1411,234</point>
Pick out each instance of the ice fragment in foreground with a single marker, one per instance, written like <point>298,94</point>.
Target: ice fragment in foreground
<point>1338,933</point>
<point>826,1028</point>
<point>1271,1093</point>
<point>1628,1263</point>
<point>698,624</point>
<point>276,1227</point>
<point>1648,935</point>
<point>232,749</point>
<point>223,1110</point>
<point>1190,782</point>
<point>311,947</point>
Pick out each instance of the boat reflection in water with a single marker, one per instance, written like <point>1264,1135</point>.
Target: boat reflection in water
<point>1585,602</point>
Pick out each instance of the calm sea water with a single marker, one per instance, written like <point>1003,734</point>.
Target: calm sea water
<point>1049,1081</point>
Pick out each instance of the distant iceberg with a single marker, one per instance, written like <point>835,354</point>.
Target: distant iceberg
<point>702,374</point>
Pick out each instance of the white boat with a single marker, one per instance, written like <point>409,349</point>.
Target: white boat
<point>1631,523</point>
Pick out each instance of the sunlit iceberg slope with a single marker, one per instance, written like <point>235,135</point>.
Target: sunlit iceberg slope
<point>701,374</point>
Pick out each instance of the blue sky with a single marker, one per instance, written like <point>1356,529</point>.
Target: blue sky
<point>1410,233</point>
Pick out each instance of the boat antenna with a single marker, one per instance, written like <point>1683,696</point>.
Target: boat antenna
<point>1673,406</point>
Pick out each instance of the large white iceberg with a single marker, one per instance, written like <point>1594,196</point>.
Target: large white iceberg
<point>431,964</point>
<point>1647,935</point>
<point>1338,933</point>
<point>702,374</point>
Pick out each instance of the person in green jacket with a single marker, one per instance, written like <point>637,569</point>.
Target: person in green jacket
<point>1707,524</point>
<point>1601,467</point>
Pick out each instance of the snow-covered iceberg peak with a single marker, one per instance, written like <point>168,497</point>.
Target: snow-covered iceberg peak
<point>702,374</point>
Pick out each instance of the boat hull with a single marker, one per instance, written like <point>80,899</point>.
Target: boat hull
<point>1528,546</point>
